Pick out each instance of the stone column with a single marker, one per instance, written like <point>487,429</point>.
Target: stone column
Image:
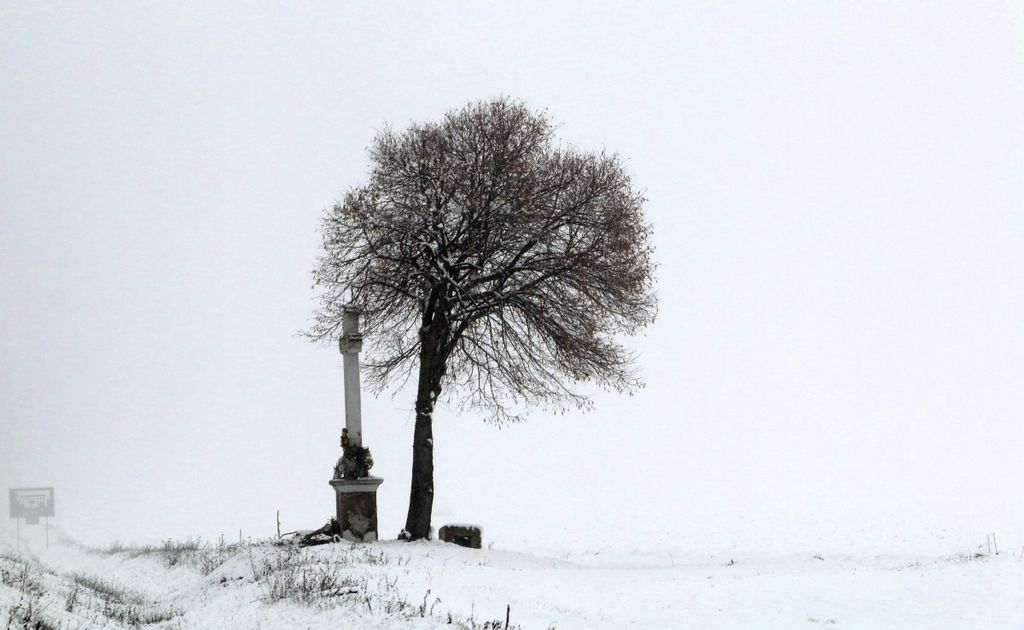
<point>356,499</point>
<point>350,344</point>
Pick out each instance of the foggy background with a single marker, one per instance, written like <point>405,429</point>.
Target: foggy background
<point>837,194</point>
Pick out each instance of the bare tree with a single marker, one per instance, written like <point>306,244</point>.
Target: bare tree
<point>494,263</point>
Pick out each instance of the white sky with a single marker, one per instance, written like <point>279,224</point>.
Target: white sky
<point>837,191</point>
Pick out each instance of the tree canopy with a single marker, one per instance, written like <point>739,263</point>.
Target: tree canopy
<point>497,264</point>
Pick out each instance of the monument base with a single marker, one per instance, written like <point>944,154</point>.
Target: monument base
<point>357,507</point>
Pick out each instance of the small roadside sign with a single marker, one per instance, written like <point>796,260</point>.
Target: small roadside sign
<point>31,503</point>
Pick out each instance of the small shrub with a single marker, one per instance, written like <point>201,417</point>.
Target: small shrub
<point>72,600</point>
<point>28,613</point>
<point>290,575</point>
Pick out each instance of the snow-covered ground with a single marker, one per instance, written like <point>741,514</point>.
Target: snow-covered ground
<point>430,584</point>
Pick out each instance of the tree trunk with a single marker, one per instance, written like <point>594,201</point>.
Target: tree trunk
<point>421,493</point>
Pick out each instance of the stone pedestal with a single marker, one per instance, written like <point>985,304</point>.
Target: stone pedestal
<point>357,507</point>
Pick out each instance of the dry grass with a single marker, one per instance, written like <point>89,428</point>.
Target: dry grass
<point>192,553</point>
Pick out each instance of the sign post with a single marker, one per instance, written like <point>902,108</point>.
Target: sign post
<point>32,504</point>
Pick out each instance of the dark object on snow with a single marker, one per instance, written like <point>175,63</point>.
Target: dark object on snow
<point>355,462</point>
<point>462,535</point>
<point>327,534</point>
<point>406,536</point>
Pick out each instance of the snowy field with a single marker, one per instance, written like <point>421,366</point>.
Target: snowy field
<point>831,427</point>
<point>432,584</point>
